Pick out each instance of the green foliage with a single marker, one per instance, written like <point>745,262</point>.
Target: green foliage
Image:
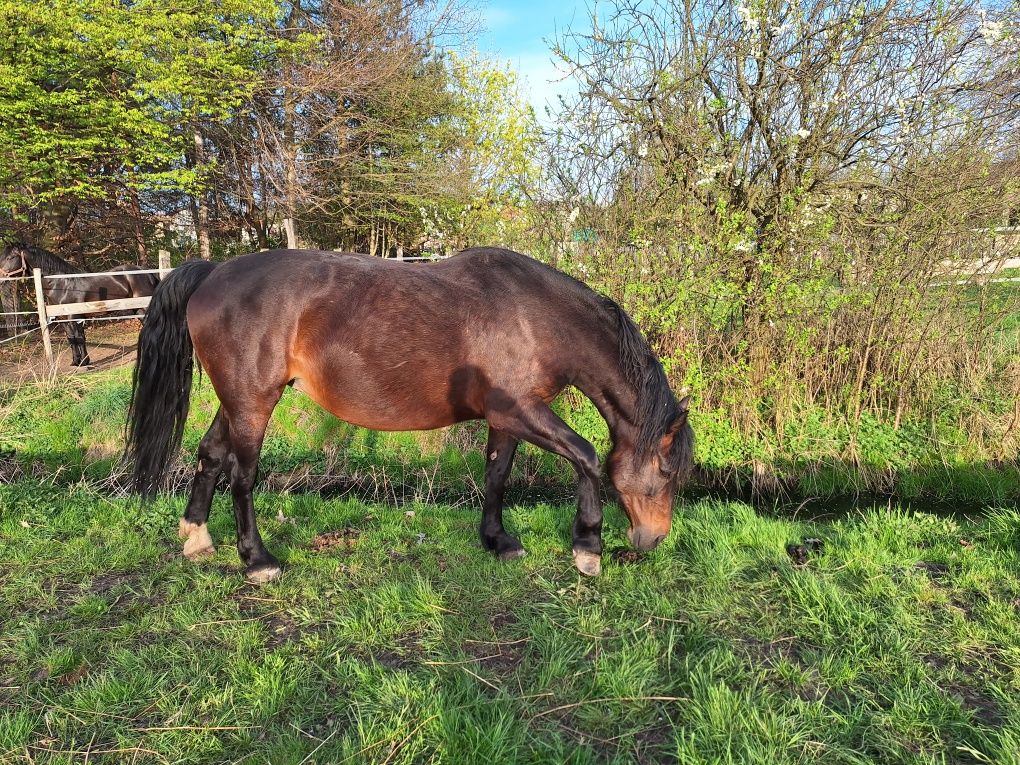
<point>97,96</point>
<point>500,144</point>
<point>74,428</point>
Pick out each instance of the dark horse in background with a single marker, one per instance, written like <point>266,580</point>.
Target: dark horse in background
<point>495,335</point>
<point>20,259</point>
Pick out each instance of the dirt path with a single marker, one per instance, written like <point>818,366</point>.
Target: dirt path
<point>110,344</point>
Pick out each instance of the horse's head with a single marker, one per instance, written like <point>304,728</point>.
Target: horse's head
<point>14,261</point>
<point>647,480</point>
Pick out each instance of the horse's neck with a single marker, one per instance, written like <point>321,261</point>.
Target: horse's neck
<point>49,263</point>
<point>607,386</point>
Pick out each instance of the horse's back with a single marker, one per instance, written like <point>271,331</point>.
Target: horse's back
<point>136,284</point>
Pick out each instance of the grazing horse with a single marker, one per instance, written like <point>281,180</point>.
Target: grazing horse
<point>20,259</point>
<point>487,334</point>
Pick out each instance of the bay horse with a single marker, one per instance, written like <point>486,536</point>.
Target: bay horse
<point>19,260</point>
<point>486,334</point>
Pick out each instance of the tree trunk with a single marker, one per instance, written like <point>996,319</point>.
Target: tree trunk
<point>136,219</point>
<point>199,208</point>
<point>290,149</point>
<point>288,229</point>
<point>56,219</point>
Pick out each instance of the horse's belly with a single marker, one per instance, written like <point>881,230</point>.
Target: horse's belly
<point>411,402</point>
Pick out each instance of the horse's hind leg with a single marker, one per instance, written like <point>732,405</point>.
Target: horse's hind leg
<point>246,430</point>
<point>499,456</point>
<point>212,454</point>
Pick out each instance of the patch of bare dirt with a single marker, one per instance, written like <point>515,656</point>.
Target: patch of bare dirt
<point>345,539</point>
<point>110,344</point>
<point>498,657</point>
<point>627,557</point>
<point>937,572</point>
<point>402,653</point>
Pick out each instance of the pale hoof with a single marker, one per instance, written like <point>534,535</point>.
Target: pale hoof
<point>263,575</point>
<point>198,544</point>
<point>520,552</point>
<point>588,563</point>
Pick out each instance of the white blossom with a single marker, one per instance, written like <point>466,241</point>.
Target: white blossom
<point>991,32</point>
<point>747,19</point>
<point>803,133</point>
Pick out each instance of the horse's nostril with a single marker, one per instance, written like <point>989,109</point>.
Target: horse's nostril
<point>658,539</point>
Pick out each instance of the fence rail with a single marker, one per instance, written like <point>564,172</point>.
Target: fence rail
<point>97,306</point>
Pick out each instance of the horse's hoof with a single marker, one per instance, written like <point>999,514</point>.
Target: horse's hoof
<point>263,574</point>
<point>198,544</point>
<point>588,563</point>
<point>514,554</point>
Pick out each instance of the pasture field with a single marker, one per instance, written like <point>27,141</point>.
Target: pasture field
<point>394,638</point>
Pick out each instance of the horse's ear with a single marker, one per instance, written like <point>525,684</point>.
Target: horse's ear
<point>678,422</point>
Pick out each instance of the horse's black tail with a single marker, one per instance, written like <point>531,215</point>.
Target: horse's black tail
<point>161,383</point>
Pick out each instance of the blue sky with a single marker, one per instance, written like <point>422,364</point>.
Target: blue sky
<point>522,33</point>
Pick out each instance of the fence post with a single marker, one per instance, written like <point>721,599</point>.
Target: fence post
<point>44,323</point>
<point>164,264</point>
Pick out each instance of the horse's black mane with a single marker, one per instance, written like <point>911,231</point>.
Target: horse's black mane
<point>42,259</point>
<point>657,407</point>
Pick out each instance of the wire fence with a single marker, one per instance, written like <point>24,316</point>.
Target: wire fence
<point>16,323</point>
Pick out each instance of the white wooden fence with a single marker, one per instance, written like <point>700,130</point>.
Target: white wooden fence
<point>50,314</point>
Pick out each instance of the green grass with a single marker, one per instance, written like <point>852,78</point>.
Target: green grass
<point>404,642</point>
<point>396,639</point>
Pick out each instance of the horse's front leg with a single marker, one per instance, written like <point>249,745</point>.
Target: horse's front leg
<point>75,330</point>
<point>534,422</point>
<point>499,456</point>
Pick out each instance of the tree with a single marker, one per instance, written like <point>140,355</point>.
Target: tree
<point>101,101</point>
<point>497,162</point>
<point>351,125</point>
<point>781,185</point>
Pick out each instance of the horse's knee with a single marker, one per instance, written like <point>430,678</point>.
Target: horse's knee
<point>211,454</point>
<point>241,470</point>
<point>587,462</point>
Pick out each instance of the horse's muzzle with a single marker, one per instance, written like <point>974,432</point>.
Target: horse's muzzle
<point>643,539</point>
